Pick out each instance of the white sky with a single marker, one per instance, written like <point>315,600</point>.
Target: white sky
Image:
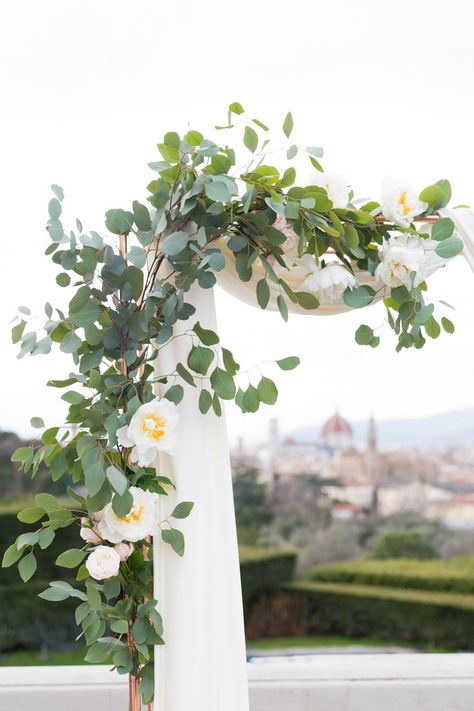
<point>88,88</point>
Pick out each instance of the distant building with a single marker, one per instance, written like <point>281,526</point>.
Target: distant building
<point>337,434</point>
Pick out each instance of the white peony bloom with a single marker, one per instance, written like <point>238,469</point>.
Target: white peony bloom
<point>329,282</point>
<point>151,429</point>
<point>336,187</point>
<point>137,524</point>
<point>103,562</point>
<point>402,255</point>
<point>124,550</point>
<point>400,204</point>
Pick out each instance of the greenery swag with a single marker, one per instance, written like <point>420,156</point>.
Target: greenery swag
<point>128,295</point>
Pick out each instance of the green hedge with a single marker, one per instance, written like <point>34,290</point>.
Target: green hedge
<point>264,570</point>
<point>28,622</point>
<point>455,575</point>
<point>10,528</point>
<point>438,618</point>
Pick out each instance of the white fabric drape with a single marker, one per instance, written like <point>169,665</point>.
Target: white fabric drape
<point>463,218</point>
<point>245,291</point>
<point>202,665</point>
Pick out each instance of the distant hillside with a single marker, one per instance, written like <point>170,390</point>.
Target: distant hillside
<point>447,428</point>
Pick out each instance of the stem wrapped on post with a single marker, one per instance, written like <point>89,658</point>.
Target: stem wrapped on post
<point>134,699</point>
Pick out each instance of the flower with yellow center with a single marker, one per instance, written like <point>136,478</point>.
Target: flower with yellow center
<point>138,523</point>
<point>400,204</point>
<point>151,429</point>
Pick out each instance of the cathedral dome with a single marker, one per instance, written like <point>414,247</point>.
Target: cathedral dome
<point>337,432</point>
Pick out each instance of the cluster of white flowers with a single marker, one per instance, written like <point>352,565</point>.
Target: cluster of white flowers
<point>123,531</point>
<point>151,429</point>
<point>406,259</point>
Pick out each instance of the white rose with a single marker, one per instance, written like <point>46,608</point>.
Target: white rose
<point>336,187</point>
<point>137,524</point>
<point>402,255</point>
<point>103,562</point>
<point>89,535</point>
<point>124,550</point>
<point>329,282</point>
<point>151,429</point>
<point>400,204</point>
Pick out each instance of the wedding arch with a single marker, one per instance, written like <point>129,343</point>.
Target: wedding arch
<point>144,440</point>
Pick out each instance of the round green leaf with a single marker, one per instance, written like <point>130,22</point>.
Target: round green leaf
<point>364,335</point>
<point>449,247</point>
<point>31,515</point>
<point>432,328</point>
<point>447,325</point>
<point>27,567</point>
<point>200,359</point>
<point>223,384</point>
<point>263,293</point>
<point>70,558</point>
<point>288,363</point>
<point>174,244</point>
<point>359,297</point>
<point>250,139</point>
<point>205,401</point>
<point>442,229</point>
<point>11,555</point>
<point>175,539</point>
<point>183,509</point>
<point>267,391</point>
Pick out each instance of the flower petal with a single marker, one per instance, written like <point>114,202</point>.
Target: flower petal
<point>123,437</point>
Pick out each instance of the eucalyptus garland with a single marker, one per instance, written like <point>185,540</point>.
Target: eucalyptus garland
<point>130,288</point>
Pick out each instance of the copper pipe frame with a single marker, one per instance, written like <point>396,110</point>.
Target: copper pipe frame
<point>134,699</point>
<point>429,219</point>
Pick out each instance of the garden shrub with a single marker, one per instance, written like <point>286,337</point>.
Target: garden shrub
<point>455,575</point>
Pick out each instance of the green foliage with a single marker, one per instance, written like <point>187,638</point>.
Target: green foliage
<point>251,508</point>
<point>403,544</point>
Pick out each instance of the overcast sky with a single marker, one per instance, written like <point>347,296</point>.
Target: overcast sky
<point>88,88</point>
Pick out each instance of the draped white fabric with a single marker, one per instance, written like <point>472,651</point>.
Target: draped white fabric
<point>463,218</point>
<point>202,665</point>
<point>245,291</point>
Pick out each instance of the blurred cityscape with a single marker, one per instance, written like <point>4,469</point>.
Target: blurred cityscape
<point>336,496</point>
<point>358,482</point>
